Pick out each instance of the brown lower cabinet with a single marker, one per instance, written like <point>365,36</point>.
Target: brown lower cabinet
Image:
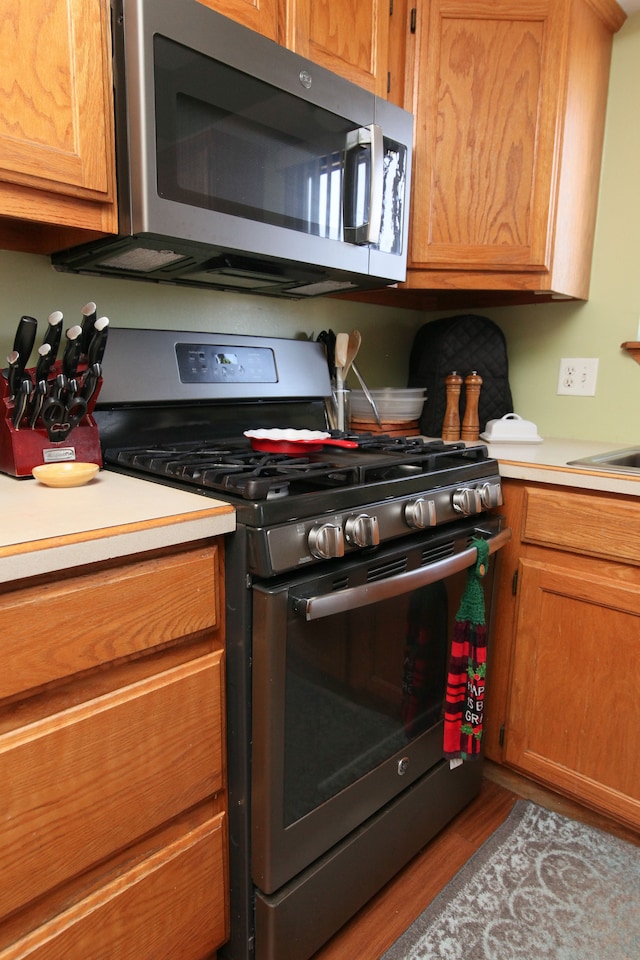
<point>113,817</point>
<point>563,702</point>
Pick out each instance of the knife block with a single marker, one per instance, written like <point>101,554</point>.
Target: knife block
<point>25,448</point>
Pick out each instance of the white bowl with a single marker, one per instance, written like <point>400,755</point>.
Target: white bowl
<point>394,406</point>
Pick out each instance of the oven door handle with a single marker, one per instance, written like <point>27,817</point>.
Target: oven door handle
<point>315,608</point>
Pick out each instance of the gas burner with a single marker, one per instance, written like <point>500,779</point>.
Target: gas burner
<point>322,481</point>
<point>234,468</point>
<point>382,441</point>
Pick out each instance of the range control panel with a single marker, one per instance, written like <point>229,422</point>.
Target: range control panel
<point>288,546</point>
<point>218,363</point>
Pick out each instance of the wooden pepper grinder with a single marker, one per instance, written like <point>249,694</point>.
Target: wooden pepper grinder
<point>451,424</point>
<point>471,421</point>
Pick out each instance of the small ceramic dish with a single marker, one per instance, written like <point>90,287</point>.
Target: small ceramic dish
<point>68,473</point>
<point>511,429</point>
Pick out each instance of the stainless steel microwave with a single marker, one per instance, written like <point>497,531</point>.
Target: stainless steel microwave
<point>244,166</point>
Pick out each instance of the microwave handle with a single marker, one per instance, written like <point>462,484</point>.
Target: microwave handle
<point>371,139</point>
<point>314,608</point>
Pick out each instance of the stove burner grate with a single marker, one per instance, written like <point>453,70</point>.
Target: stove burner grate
<point>233,468</point>
<point>245,473</point>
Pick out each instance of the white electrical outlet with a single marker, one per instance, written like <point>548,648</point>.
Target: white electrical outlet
<point>577,376</point>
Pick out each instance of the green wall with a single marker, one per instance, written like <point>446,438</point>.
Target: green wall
<point>31,286</point>
<point>537,336</point>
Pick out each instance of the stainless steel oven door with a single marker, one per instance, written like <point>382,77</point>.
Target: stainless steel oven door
<point>349,677</point>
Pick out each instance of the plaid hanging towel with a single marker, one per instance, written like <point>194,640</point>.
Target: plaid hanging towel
<point>464,704</point>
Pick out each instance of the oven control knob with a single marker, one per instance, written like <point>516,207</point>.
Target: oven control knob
<point>491,495</point>
<point>467,501</point>
<point>362,530</point>
<point>326,541</point>
<point>420,513</point>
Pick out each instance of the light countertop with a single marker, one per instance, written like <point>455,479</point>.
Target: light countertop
<point>45,529</point>
<point>547,462</point>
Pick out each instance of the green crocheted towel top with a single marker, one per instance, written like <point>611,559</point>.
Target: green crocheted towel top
<point>472,603</point>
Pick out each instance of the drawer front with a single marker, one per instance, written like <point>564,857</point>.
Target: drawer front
<point>88,781</point>
<point>170,906</point>
<point>58,629</point>
<point>587,524</point>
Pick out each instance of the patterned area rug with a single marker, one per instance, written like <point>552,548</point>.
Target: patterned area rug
<point>542,887</point>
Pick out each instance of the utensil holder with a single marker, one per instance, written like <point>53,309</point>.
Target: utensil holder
<point>23,448</point>
<point>342,404</point>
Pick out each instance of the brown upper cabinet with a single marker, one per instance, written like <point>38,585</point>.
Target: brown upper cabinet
<point>258,15</point>
<point>509,100</point>
<point>56,124</point>
<point>349,37</point>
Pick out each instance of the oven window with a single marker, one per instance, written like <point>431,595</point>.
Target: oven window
<point>359,688</point>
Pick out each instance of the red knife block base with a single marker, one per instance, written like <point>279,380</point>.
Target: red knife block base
<point>22,450</point>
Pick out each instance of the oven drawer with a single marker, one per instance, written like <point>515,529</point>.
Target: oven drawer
<point>88,780</point>
<point>61,628</point>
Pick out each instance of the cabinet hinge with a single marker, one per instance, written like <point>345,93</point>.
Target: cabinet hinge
<point>390,8</point>
<point>388,81</point>
<point>514,583</point>
<point>413,19</point>
<point>501,736</point>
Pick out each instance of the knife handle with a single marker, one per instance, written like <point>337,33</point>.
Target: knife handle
<point>90,381</point>
<point>89,313</point>
<point>22,398</point>
<point>98,341</point>
<point>37,403</point>
<point>25,339</point>
<point>13,374</point>
<point>72,351</point>
<point>45,360</point>
<point>53,333</point>
<point>59,388</point>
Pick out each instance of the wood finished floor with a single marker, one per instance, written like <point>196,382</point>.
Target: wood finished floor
<point>387,916</point>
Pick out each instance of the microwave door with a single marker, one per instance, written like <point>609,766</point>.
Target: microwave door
<point>230,143</point>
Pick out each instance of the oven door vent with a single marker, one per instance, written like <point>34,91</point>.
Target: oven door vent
<point>390,569</point>
<point>438,552</point>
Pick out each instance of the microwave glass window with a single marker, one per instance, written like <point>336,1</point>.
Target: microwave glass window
<point>228,142</point>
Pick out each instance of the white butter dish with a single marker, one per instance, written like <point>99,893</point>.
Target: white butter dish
<point>511,429</point>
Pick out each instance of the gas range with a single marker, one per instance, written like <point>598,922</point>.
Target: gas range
<point>180,418</point>
<point>341,584</point>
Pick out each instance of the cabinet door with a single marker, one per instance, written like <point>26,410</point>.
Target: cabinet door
<point>56,127</point>
<point>349,37</point>
<point>258,15</point>
<point>574,707</point>
<point>487,106</point>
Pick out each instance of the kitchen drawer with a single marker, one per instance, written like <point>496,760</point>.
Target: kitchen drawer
<point>84,782</point>
<point>589,524</point>
<point>170,906</point>
<point>57,629</point>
